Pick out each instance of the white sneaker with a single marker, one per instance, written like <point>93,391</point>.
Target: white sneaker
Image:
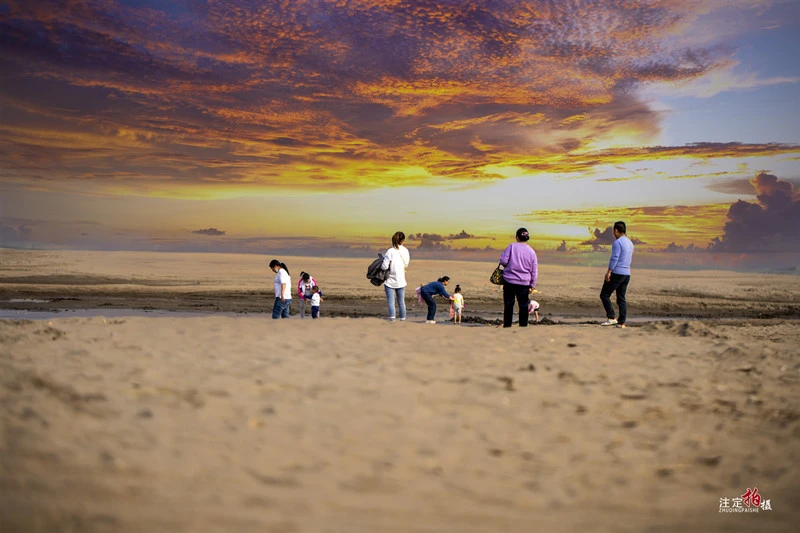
<point>430,322</point>
<point>610,322</point>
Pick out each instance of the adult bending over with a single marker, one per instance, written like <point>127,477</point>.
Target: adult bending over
<point>305,290</point>
<point>396,260</point>
<point>519,277</point>
<point>429,291</point>
<point>283,289</point>
<point>618,276</point>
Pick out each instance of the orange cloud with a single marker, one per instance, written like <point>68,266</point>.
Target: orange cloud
<point>341,93</point>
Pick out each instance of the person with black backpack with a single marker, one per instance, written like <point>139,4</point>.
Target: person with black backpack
<point>395,263</point>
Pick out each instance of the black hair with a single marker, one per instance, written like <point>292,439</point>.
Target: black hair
<point>398,238</point>
<point>275,262</point>
<point>458,288</point>
<point>444,278</point>
<point>315,288</point>
<point>305,276</point>
<point>620,227</point>
<point>523,235</point>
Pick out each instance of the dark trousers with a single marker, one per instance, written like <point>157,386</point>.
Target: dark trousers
<point>511,292</point>
<point>618,283</point>
<point>431,305</point>
<point>314,311</point>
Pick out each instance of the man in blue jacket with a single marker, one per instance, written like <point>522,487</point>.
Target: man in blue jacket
<point>618,276</point>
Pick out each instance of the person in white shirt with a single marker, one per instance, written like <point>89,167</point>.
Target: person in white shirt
<point>316,298</point>
<point>396,260</point>
<point>283,289</point>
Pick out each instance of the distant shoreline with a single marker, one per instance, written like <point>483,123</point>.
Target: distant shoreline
<point>780,263</point>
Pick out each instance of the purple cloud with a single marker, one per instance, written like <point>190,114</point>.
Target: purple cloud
<point>209,231</point>
<point>771,224</point>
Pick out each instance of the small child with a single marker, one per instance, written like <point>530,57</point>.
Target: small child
<point>316,298</point>
<point>533,309</point>
<point>457,305</point>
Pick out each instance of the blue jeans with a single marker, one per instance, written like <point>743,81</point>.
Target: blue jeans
<point>431,305</point>
<point>281,309</point>
<point>400,296</point>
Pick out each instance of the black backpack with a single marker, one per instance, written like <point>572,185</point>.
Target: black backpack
<point>375,274</point>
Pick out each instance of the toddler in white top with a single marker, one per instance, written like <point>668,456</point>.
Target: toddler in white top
<point>315,300</point>
<point>533,309</point>
<point>457,305</point>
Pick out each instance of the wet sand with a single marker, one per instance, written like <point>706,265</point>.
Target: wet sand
<point>243,284</point>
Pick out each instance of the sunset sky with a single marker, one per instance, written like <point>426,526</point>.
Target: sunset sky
<point>323,126</point>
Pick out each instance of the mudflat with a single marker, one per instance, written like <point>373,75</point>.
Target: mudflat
<point>243,284</point>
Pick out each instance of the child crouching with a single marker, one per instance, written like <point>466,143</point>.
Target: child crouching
<point>533,309</point>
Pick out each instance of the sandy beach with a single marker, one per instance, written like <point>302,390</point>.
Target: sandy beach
<point>245,424</point>
<point>241,423</point>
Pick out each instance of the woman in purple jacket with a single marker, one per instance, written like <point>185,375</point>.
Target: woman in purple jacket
<point>519,277</point>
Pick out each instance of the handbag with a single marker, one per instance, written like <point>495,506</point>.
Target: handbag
<point>497,275</point>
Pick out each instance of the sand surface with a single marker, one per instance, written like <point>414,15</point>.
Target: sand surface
<point>241,423</point>
<point>243,284</point>
<point>224,424</point>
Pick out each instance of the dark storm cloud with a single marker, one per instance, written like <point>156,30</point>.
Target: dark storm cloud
<point>673,248</point>
<point>460,235</point>
<point>15,235</point>
<point>605,237</point>
<point>429,241</point>
<point>210,231</point>
<point>771,224</point>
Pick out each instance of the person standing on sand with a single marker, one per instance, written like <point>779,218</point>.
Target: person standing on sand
<point>316,298</point>
<point>429,291</point>
<point>457,305</point>
<point>305,291</point>
<point>283,289</point>
<point>396,260</point>
<point>519,277</point>
<point>618,276</point>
